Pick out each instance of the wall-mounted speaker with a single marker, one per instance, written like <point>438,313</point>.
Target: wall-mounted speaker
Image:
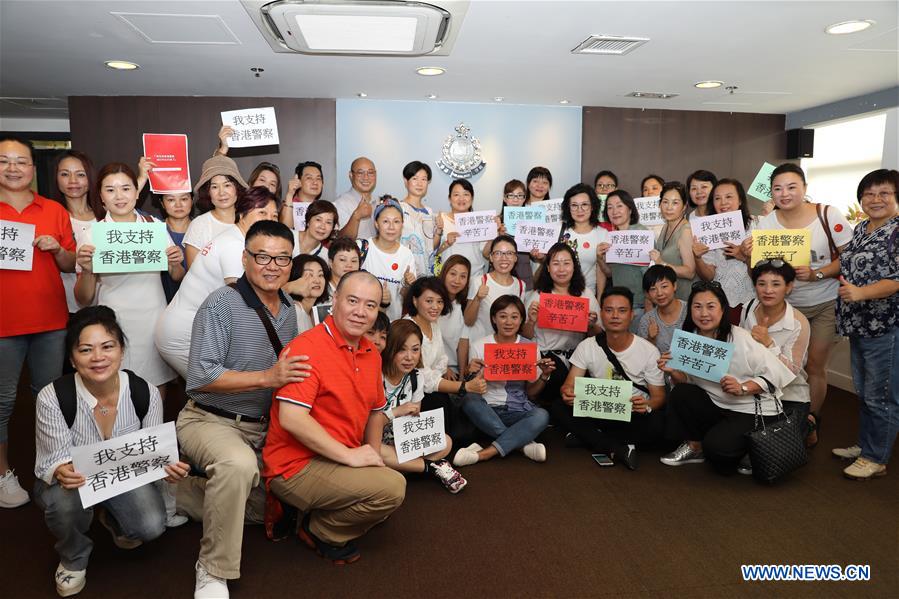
<point>800,143</point>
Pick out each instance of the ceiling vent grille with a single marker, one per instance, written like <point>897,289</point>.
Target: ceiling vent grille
<point>614,45</point>
<point>651,95</point>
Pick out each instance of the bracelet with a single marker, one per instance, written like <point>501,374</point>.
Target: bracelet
<point>462,388</point>
<point>389,413</point>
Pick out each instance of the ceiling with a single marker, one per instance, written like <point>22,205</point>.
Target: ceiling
<point>776,53</point>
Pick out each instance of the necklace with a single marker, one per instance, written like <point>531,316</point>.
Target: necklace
<point>106,410</point>
<point>670,233</point>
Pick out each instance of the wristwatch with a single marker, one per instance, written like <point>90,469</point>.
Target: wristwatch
<point>648,409</point>
<point>744,389</point>
<point>819,276</point>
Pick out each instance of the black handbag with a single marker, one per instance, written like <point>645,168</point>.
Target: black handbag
<point>778,447</point>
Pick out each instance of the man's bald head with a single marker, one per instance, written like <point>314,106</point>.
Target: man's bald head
<point>363,175</point>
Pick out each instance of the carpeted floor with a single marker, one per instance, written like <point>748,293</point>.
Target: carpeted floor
<point>566,528</point>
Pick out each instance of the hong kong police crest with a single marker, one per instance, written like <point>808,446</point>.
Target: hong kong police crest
<point>461,154</point>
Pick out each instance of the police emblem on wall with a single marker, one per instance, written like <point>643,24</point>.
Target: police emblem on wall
<point>461,154</point>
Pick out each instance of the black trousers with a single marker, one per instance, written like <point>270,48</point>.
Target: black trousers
<point>552,390</point>
<point>458,426</point>
<point>693,416</point>
<point>611,436</point>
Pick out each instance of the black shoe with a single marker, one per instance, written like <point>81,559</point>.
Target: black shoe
<point>340,556</point>
<point>280,518</point>
<point>572,440</point>
<point>629,457</point>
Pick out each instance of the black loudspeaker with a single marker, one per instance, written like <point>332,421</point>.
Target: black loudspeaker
<point>800,143</point>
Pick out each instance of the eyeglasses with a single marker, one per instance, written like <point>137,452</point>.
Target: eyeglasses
<point>868,195</point>
<point>705,285</point>
<point>362,174</point>
<point>581,206</point>
<point>515,196</point>
<point>502,254</point>
<point>5,161</point>
<point>265,259</point>
<point>775,262</point>
<point>605,186</point>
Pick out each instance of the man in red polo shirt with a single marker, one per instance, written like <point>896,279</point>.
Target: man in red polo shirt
<point>33,311</point>
<point>322,453</point>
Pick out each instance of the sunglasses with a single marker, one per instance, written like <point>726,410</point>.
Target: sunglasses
<point>775,262</point>
<point>705,285</point>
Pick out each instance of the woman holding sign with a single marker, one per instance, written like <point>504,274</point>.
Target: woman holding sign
<point>726,265</point>
<point>99,402</point>
<point>674,243</point>
<point>496,283</point>
<point>137,296</point>
<point>816,288</point>
<point>621,212</point>
<point>711,417</point>
<point>461,197</point>
<point>401,364</point>
<point>581,230</point>
<point>699,186</point>
<point>514,196</point>
<point>505,410</point>
<point>559,279</point>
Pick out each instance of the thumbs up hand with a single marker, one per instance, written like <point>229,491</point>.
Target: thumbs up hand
<point>408,277</point>
<point>760,331</point>
<point>849,292</point>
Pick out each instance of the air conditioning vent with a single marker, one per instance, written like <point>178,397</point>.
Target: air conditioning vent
<point>651,95</point>
<point>609,44</point>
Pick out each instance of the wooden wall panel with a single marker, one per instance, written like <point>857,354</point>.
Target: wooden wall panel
<point>109,129</point>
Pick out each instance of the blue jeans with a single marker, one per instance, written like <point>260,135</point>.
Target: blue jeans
<point>875,370</point>
<point>510,429</point>
<point>44,352</point>
<point>140,514</point>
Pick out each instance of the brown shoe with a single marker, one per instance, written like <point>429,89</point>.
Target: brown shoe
<point>863,469</point>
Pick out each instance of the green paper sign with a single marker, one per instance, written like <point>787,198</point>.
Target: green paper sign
<point>761,185</point>
<point>603,398</point>
<point>129,247</point>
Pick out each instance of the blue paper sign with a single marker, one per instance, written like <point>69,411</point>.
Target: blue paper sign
<point>512,215</point>
<point>700,356</point>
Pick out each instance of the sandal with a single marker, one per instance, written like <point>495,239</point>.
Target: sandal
<point>814,425</point>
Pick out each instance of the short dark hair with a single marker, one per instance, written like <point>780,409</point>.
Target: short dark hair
<point>723,332</point>
<point>618,290</point>
<point>535,173</point>
<point>509,187</point>
<point>544,281</point>
<point>382,322</point>
<point>608,174</point>
<point>503,302</point>
<point>204,201</point>
<point>464,184</point>
<point>157,200</point>
<point>254,198</point>
<point>656,273</point>
<point>878,177</point>
<point>741,194</point>
<point>268,228</point>
<point>626,199</point>
<point>700,175</point>
<point>309,164</point>
<point>85,317</point>
<point>267,166</point>
<point>418,288</point>
<point>503,239</point>
<point>343,244</point>
<point>19,140</point>
<point>296,271</point>
<point>323,207</point>
<point>579,188</point>
<point>675,186</point>
<point>765,266</point>
<point>648,177</point>
<point>411,169</point>
<point>457,260</point>
<point>788,167</point>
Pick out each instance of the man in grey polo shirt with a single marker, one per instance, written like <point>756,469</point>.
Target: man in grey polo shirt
<point>232,370</point>
<point>354,206</point>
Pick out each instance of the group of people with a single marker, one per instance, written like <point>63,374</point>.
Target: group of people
<point>300,343</point>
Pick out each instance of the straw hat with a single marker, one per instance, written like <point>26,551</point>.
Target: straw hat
<point>219,165</point>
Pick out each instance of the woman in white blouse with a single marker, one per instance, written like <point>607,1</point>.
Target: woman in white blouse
<point>455,276</point>
<point>104,407</point>
<point>711,418</point>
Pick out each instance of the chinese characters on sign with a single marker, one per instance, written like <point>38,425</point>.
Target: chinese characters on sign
<point>124,463</point>
<point>299,215</point>
<point>536,235</point>
<point>476,226</point>
<point>631,246</point>
<point>601,398</point>
<point>16,251</point>
<point>512,215</point>
<point>252,127</point>
<point>793,245</point>
<point>761,185</point>
<point>650,214</point>
<point>553,210</point>
<point>418,436</point>
<point>700,356</point>
<point>717,230</point>
<point>563,312</point>
<point>169,153</point>
<point>129,247</point>
<point>510,361</point>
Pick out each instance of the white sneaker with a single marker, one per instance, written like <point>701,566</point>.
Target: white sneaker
<point>465,457</point>
<point>847,453</point>
<point>209,586</point>
<point>69,582</point>
<point>535,451</point>
<point>175,520</point>
<point>11,492</point>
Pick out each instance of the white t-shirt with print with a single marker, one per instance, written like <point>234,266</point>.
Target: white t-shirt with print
<point>497,393</point>
<point>585,246</point>
<point>390,269</point>
<point>482,327</point>
<point>553,339</point>
<point>640,362</point>
<point>453,329</point>
<point>418,234</point>
<point>203,229</point>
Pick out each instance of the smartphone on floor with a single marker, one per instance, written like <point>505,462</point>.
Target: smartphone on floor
<point>602,459</point>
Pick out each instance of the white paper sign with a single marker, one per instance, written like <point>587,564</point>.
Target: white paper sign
<point>299,215</point>
<point>16,251</point>
<point>717,230</point>
<point>553,210</point>
<point>476,226</point>
<point>252,127</point>
<point>648,208</point>
<point>320,312</point>
<point>418,436</point>
<point>539,235</point>
<point>124,463</point>
<point>448,225</point>
<point>630,247</point>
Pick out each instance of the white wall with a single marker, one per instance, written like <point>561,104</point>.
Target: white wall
<point>513,139</point>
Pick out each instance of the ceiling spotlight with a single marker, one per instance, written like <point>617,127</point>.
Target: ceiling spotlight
<point>638,94</point>
<point>563,101</point>
<point>431,96</point>
<point>121,65</point>
<point>708,84</point>
<point>848,27</point>
<point>498,99</point>
<point>362,95</point>
<point>430,71</point>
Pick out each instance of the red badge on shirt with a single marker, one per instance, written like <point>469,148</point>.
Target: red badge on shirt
<point>394,266</point>
<point>586,245</point>
<point>838,228</point>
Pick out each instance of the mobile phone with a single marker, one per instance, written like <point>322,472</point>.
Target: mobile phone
<point>602,459</point>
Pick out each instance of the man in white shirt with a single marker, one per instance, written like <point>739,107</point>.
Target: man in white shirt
<point>354,206</point>
<point>616,354</point>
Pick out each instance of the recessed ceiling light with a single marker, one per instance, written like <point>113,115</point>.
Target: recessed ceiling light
<point>845,27</point>
<point>498,99</point>
<point>122,65</point>
<point>711,84</point>
<point>362,95</point>
<point>563,101</point>
<point>431,96</point>
<point>430,71</point>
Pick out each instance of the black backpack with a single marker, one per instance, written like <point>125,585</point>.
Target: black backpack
<point>65,394</point>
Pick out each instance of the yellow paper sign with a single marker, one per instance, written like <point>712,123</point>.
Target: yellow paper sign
<point>793,245</point>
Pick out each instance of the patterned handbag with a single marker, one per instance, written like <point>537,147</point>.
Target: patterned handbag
<point>776,448</point>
